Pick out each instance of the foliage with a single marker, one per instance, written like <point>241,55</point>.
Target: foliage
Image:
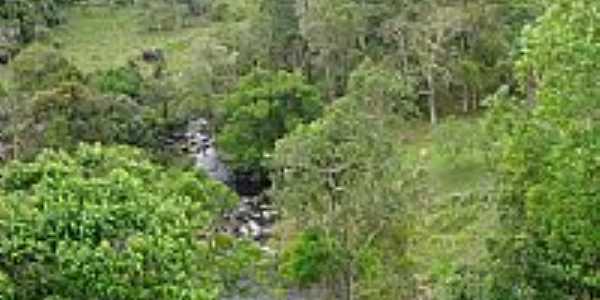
<point>212,75</point>
<point>226,11</point>
<point>337,175</point>
<point>383,91</point>
<point>159,95</point>
<point>106,223</point>
<point>28,16</point>
<point>161,15</point>
<point>311,257</point>
<point>3,91</point>
<point>262,110</point>
<point>40,67</point>
<point>71,113</point>
<point>380,208</point>
<point>282,22</point>
<point>120,81</point>
<point>332,30</point>
<point>548,162</point>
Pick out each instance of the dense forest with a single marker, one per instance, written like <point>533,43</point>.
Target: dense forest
<point>299,149</point>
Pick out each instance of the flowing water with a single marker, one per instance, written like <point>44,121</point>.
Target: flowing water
<point>254,217</point>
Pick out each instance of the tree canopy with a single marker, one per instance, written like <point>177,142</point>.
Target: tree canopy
<point>381,149</point>
<point>106,223</point>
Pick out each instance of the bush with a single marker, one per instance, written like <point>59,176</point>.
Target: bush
<point>161,15</point>
<point>311,258</point>
<point>40,67</point>
<point>123,80</point>
<point>382,91</point>
<point>30,16</point>
<point>105,223</point>
<point>70,113</point>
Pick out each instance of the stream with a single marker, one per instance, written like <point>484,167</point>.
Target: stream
<point>255,215</point>
<point>253,218</point>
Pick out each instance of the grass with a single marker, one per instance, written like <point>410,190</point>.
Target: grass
<point>4,76</point>
<point>451,219</point>
<point>100,38</point>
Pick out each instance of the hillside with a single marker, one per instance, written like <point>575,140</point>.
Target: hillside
<point>299,150</point>
<point>100,38</point>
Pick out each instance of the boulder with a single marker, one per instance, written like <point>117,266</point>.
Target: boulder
<point>152,55</point>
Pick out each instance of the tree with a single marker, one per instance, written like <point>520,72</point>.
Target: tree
<point>383,91</point>
<point>333,31</point>
<point>455,50</point>
<point>283,23</point>
<point>106,223</point>
<point>547,159</point>
<point>31,15</point>
<point>427,36</point>
<point>161,15</point>
<point>264,108</point>
<point>213,74</point>
<point>335,180</point>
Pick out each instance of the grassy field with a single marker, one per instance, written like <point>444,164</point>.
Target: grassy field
<point>99,38</point>
<point>451,220</point>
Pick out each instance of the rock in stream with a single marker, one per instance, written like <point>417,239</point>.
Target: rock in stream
<point>254,217</point>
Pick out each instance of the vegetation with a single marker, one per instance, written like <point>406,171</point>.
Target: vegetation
<point>106,223</point>
<point>332,175</point>
<point>551,185</point>
<point>264,108</point>
<point>412,149</point>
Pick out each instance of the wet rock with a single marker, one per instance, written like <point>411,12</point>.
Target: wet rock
<point>244,230</point>
<point>266,233</point>
<point>208,160</point>
<point>254,216</point>
<point>255,229</point>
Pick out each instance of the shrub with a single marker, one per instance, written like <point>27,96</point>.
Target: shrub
<point>40,67</point>
<point>123,80</point>
<point>106,223</point>
<point>311,257</point>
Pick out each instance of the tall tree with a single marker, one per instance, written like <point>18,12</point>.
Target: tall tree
<point>333,30</point>
<point>548,161</point>
<point>335,179</point>
<point>286,44</point>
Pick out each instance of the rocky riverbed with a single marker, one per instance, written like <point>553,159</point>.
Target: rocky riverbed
<point>254,216</point>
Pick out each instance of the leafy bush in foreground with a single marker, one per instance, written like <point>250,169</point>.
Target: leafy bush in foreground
<point>105,223</point>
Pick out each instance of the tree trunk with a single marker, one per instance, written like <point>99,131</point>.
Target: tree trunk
<point>466,99</point>
<point>404,55</point>
<point>166,109</point>
<point>350,283</point>
<point>15,146</point>
<point>531,88</point>
<point>431,96</point>
<point>430,83</point>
